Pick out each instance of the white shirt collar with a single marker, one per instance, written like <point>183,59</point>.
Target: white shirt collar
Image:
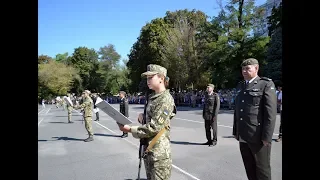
<point>251,79</point>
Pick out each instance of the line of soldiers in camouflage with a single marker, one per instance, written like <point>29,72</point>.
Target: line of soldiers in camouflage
<point>254,121</point>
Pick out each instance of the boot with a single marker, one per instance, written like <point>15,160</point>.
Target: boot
<point>90,138</point>
<point>213,143</point>
<point>207,143</point>
<point>124,135</point>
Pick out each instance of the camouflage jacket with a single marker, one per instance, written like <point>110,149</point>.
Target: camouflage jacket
<point>160,110</point>
<point>87,107</point>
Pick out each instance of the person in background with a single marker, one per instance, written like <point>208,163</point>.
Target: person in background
<point>124,108</point>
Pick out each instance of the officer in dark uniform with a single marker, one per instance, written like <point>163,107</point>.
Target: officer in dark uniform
<point>210,112</point>
<point>254,120</point>
<point>94,99</point>
<point>124,108</point>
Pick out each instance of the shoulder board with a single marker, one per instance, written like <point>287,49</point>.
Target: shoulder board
<point>265,78</point>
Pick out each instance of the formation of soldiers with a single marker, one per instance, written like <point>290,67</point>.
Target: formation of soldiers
<point>254,120</point>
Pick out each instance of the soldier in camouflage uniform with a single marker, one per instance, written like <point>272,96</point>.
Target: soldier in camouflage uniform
<point>87,114</point>
<point>63,104</point>
<point>69,109</point>
<point>160,110</point>
<point>254,120</point>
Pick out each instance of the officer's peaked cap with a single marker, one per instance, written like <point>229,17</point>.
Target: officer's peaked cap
<point>250,61</point>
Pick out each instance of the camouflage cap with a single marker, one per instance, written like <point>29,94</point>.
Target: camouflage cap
<point>153,69</point>
<point>210,85</point>
<point>122,92</point>
<point>86,91</point>
<point>250,61</point>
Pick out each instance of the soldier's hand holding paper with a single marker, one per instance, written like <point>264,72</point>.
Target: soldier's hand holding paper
<point>124,128</point>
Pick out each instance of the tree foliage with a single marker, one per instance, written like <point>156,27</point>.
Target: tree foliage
<point>195,49</point>
<point>56,77</point>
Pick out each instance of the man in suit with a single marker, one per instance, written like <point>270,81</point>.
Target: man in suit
<point>254,120</point>
<point>124,108</point>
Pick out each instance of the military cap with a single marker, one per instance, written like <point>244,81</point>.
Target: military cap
<point>250,61</point>
<point>86,91</point>
<point>153,69</point>
<point>210,85</point>
<point>122,92</point>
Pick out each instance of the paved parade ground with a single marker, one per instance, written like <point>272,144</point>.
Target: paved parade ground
<point>62,154</point>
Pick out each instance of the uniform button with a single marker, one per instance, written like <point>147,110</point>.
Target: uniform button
<point>241,109</point>
<point>242,100</point>
<point>241,119</point>
<point>259,124</point>
<point>244,92</point>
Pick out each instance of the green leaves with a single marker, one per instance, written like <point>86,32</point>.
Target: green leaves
<point>57,77</point>
<point>85,69</point>
<point>195,50</point>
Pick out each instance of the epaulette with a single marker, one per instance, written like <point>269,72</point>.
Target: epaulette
<point>265,78</point>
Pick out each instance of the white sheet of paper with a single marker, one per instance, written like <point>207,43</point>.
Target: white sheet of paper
<point>113,113</point>
<point>68,100</point>
<point>98,100</point>
<point>96,110</point>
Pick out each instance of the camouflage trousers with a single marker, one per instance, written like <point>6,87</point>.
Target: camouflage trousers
<point>69,114</point>
<point>158,170</point>
<point>88,125</point>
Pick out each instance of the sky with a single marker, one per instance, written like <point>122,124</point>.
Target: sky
<point>64,25</point>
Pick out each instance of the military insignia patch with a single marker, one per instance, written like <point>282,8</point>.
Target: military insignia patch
<point>161,120</point>
<point>163,116</point>
<point>165,112</point>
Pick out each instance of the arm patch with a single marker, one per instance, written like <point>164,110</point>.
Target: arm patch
<point>163,116</point>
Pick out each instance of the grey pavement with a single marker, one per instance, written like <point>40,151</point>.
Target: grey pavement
<point>62,154</point>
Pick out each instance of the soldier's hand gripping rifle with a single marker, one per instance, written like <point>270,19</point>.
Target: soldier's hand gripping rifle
<point>143,141</point>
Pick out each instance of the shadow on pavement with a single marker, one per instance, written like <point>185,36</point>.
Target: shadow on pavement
<point>275,140</point>
<point>67,139</point>
<point>220,112</point>
<point>108,135</point>
<point>185,143</point>
<point>67,116</point>
<point>137,107</point>
<point>59,122</point>
<point>227,137</point>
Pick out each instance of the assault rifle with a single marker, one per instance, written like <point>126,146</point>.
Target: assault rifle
<point>143,141</point>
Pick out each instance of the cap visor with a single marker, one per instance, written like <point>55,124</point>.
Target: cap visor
<point>148,73</point>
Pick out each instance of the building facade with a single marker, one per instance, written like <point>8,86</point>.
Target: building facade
<point>262,27</point>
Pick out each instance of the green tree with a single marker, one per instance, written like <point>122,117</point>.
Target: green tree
<point>179,50</point>
<point>85,60</point>
<point>63,58</point>
<point>146,50</point>
<point>273,68</point>
<point>56,78</point>
<point>275,20</point>
<point>43,59</point>
<point>114,75</point>
<point>234,26</point>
